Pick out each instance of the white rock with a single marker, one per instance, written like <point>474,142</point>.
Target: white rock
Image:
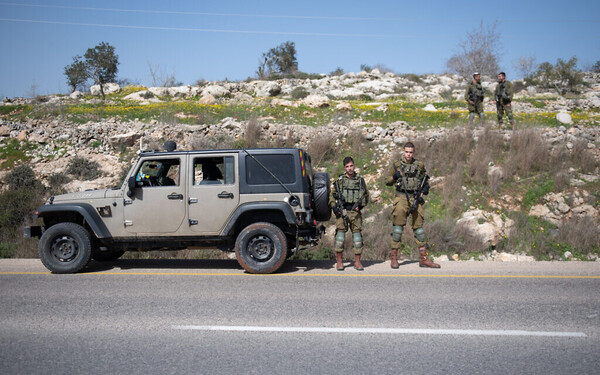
<point>316,101</point>
<point>216,91</point>
<point>430,108</point>
<point>564,118</point>
<point>109,88</point>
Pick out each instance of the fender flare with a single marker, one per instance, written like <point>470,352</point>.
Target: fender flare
<point>89,214</point>
<point>282,207</point>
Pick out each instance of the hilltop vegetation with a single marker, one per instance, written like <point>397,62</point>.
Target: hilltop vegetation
<point>531,191</point>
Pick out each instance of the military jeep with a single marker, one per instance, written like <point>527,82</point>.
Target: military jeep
<point>264,204</point>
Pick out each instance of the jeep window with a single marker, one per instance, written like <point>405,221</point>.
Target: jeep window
<point>161,172</point>
<point>281,165</point>
<point>214,171</point>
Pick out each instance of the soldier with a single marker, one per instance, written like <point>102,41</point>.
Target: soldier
<point>474,98</point>
<point>503,95</point>
<point>348,196</point>
<point>408,176</point>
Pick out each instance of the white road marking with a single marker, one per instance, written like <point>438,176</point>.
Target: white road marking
<point>416,331</point>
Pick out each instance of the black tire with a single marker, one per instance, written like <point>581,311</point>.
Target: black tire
<point>65,248</point>
<point>261,248</point>
<point>106,254</point>
<point>321,187</point>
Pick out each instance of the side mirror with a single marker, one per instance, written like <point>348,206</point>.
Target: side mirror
<point>131,184</point>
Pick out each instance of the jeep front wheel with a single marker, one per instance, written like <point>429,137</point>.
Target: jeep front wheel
<point>65,248</point>
<point>261,248</point>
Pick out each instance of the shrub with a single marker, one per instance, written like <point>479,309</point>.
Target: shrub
<point>252,133</point>
<point>321,150</point>
<point>299,92</point>
<point>582,234</point>
<point>528,153</point>
<point>22,177</point>
<point>56,182</point>
<point>83,169</point>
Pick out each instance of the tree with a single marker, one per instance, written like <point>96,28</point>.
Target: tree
<point>281,59</point>
<point>564,77</point>
<point>525,66</point>
<point>101,63</point>
<point>76,73</point>
<point>596,67</point>
<point>478,52</point>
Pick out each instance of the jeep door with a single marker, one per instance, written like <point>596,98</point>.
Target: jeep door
<point>159,202</point>
<point>213,192</point>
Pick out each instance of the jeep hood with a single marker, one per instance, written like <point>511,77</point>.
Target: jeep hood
<point>81,196</point>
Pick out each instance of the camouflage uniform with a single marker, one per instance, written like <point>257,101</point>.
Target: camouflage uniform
<point>413,174</point>
<point>503,94</point>
<point>474,93</point>
<point>355,193</point>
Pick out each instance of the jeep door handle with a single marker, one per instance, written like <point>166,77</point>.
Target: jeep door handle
<point>175,196</point>
<point>225,195</point>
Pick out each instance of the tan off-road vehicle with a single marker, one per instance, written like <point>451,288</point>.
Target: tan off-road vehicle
<point>264,204</point>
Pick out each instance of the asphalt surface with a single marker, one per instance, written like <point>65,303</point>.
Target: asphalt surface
<point>210,317</point>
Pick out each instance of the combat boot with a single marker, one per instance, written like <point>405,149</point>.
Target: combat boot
<point>425,261</point>
<point>339,265</point>
<point>394,259</point>
<point>357,264</point>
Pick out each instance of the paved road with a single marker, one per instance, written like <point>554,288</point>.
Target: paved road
<point>156,317</point>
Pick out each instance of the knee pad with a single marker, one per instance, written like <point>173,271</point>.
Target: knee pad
<point>357,240</point>
<point>397,233</point>
<point>420,234</point>
<point>339,239</point>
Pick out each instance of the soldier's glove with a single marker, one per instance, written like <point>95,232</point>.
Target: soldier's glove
<point>396,176</point>
<point>336,211</point>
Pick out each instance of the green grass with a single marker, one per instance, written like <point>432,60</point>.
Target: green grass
<point>13,152</point>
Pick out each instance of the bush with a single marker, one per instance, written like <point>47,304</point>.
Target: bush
<point>528,153</point>
<point>22,177</point>
<point>56,182</point>
<point>564,77</point>
<point>299,92</point>
<point>83,169</point>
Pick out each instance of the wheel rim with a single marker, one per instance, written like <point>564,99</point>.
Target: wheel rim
<point>261,248</point>
<point>64,248</point>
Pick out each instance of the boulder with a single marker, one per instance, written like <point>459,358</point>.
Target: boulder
<point>4,131</point>
<point>127,139</point>
<point>343,106</point>
<point>564,118</point>
<point>216,91</point>
<point>159,91</point>
<point>488,226</point>
<point>179,91</point>
<point>76,95</point>
<point>109,88</point>
<point>267,89</point>
<point>316,101</point>
<point>207,100</point>
<point>430,108</point>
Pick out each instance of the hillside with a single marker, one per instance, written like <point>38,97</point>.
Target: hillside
<point>502,194</point>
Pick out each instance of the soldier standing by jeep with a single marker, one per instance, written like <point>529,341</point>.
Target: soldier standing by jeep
<point>474,98</point>
<point>503,95</point>
<point>409,178</point>
<point>348,196</point>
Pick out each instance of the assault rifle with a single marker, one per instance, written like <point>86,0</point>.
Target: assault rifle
<point>475,99</point>
<point>340,204</point>
<point>417,195</point>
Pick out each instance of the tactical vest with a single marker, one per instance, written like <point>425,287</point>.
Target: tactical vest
<point>352,188</point>
<point>412,176</point>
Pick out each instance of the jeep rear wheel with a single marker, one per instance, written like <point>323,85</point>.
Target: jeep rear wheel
<point>321,188</point>
<point>261,248</point>
<point>65,248</point>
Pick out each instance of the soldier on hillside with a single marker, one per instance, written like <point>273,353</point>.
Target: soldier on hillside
<point>503,96</point>
<point>474,98</point>
<point>408,176</point>
<point>348,196</point>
